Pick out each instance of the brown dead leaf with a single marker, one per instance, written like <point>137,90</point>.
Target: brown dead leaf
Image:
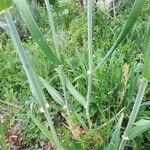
<point>48,146</point>
<point>77,131</point>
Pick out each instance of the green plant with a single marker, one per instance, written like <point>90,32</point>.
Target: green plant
<point>72,104</point>
<point>5,5</point>
<point>90,59</point>
<point>32,77</point>
<point>140,93</point>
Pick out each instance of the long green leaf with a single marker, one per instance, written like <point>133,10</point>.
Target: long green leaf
<point>34,82</point>
<point>34,29</point>
<point>5,4</point>
<point>135,110</point>
<point>42,127</point>
<point>135,11</point>
<point>140,127</point>
<point>75,93</point>
<point>54,35</point>
<point>146,70</point>
<point>53,92</point>
<point>115,140</point>
<point>63,83</point>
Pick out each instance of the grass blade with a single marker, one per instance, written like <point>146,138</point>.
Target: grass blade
<point>54,35</point>
<point>134,112</point>
<point>81,120</point>
<point>34,83</point>
<point>53,92</point>
<point>42,127</point>
<point>63,83</point>
<point>4,5</point>
<point>34,29</point>
<point>135,11</point>
<point>146,69</point>
<point>114,143</point>
<point>3,139</point>
<point>75,93</point>
<point>140,127</point>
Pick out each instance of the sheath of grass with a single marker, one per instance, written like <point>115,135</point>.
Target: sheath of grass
<point>135,11</point>
<point>34,29</point>
<point>3,140</point>
<point>60,67</point>
<point>33,80</point>
<point>90,59</point>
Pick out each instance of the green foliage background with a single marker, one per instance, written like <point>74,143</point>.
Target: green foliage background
<point>108,83</point>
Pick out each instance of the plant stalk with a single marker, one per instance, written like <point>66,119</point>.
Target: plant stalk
<point>60,67</point>
<point>134,112</point>
<point>90,59</point>
<point>66,107</point>
<point>23,57</point>
<point>54,35</point>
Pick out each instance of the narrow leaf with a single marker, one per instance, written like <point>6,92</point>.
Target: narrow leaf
<point>135,11</point>
<point>5,4</point>
<point>75,93</point>
<point>51,22</point>
<point>53,92</point>
<point>81,120</point>
<point>34,29</point>
<point>115,140</point>
<point>3,139</point>
<point>34,83</point>
<point>146,70</point>
<point>42,127</point>
<point>140,127</point>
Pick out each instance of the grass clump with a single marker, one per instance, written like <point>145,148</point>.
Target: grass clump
<point>84,85</point>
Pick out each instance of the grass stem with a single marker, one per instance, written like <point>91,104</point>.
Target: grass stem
<point>90,59</point>
<point>60,67</point>
<point>62,79</point>
<point>134,112</point>
<point>54,35</point>
<point>32,77</point>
